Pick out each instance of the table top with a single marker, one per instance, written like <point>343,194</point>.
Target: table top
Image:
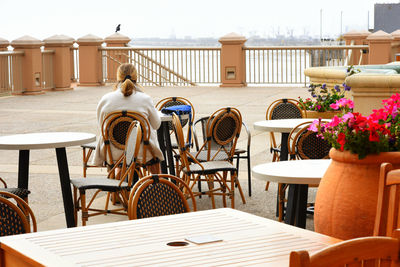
<point>281,126</point>
<point>246,240</point>
<point>45,140</point>
<point>292,171</point>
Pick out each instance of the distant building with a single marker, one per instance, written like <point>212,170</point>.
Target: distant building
<point>387,17</point>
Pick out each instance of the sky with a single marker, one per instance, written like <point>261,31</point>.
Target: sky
<point>182,18</point>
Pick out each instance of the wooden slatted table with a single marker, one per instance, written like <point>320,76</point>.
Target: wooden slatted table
<point>247,240</point>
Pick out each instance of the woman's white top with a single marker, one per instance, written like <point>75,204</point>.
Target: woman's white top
<point>139,102</point>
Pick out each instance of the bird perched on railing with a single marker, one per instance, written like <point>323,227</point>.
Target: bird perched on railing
<point>118,28</point>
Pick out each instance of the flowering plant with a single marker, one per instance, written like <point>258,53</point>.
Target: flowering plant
<point>364,135</point>
<point>323,97</point>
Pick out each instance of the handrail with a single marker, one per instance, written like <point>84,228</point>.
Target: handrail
<point>165,68</point>
<point>160,48</point>
<point>307,47</point>
<point>10,53</point>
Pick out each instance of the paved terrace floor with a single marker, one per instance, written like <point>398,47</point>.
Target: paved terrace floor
<point>74,110</point>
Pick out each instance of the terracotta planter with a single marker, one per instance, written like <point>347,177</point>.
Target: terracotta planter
<point>345,205</point>
<point>322,115</point>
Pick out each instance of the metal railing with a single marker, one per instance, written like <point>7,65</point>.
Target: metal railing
<point>165,66</point>
<point>286,64</point>
<point>47,69</point>
<point>11,72</point>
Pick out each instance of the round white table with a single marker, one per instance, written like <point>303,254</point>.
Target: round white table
<point>284,127</point>
<point>58,140</point>
<point>298,174</point>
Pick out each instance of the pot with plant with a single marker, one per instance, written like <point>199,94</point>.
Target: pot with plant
<point>346,201</point>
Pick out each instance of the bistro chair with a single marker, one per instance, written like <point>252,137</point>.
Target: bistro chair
<point>240,153</point>
<point>282,109</point>
<point>21,192</point>
<point>133,163</point>
<point>186,123</point>
<point>303,144</point>
<point>113,133</point>
<point>364,251</point>
<point>16,216</point>
<point>388,201</point>
<point>224,129</point>
<point>159,195</point>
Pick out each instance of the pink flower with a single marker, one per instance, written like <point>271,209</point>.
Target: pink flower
<point>334,106</point>
<point>314,126</point>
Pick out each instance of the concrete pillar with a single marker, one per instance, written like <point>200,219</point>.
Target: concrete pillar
<point>357,38</point>
<point>61,45</point>
<point>233,60</point>
<point>90,72</point>
<point>380,47</point>
<point>369,89</point>
<point>396,44</point>
<point>119,57</point>
<point>4,44</point>
<point>31,64</point>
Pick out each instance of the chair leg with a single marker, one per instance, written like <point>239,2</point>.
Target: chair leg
<point>237,183</point>
<point>232,193</point>
<point>249,172</point>
<point>266,186</point>
<point>76,206</point>
<point>281,199</point>
<point>84,210</point>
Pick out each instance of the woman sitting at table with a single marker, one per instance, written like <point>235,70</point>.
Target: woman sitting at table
<point>128,95</point>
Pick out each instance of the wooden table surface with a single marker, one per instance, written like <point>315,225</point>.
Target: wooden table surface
<point>248,240</point>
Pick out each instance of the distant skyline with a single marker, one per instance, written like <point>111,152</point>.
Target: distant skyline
<point>181,18</point>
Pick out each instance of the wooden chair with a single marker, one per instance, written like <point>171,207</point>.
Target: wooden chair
<point>240,153</point>
<point>388,207</point>
<point>132,164</point>
<point>282,109</point>
<point>113,131</point>
<point>364,251</point>
<point>303,144</point>
<point>186,124</point>
<point>21,192</point>
<point>159,195</point>
<point>223,129</point>
<point>16,216</point>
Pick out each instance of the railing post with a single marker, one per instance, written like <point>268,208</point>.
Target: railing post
<point>4,83</point>
<point>4,44</point>
<point>396,45</point>
<point>233,60</point>
<point>61,61</point>
<point>116,40</point>
<point>31,65</point>
<point>357,38</point>
<point>380,47</point>
<point>90,67</point>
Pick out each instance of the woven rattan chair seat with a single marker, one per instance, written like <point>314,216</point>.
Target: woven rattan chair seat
<point>21,192</point>
<point>210,167</point>
<point>102,183</point>
<point>203,156</point>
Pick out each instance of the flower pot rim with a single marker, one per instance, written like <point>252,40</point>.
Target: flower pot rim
<point>347,156</point>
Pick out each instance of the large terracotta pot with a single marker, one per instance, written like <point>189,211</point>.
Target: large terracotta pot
<point>322,115</point>
<point>345,204</point>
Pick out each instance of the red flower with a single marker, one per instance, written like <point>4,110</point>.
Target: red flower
<point>341,140</point>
